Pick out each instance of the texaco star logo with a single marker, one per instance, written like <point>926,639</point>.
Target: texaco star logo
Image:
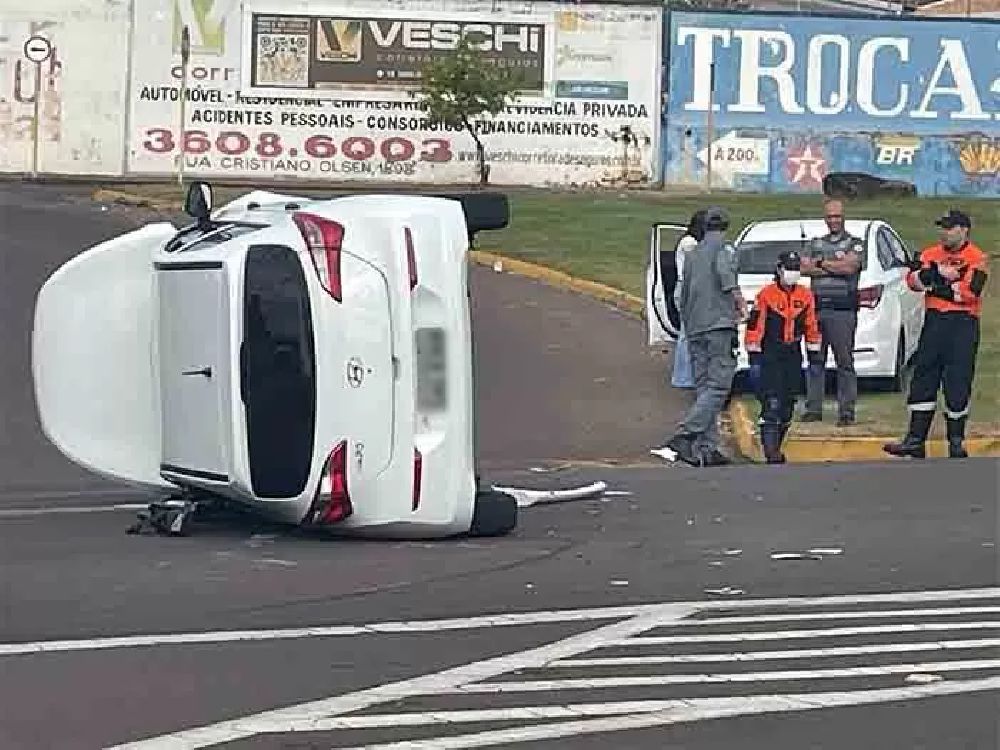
<point>355,372</point>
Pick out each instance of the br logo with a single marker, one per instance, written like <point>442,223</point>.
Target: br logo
<point>206,22</point>
<point>897,152</point>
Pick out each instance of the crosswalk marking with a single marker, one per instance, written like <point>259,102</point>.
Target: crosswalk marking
<point>780,635</point>
<point>657,625</point>
<point>874,614</point>
<point>595,683</point>
<point>814,653</point>
<point>685,711</point>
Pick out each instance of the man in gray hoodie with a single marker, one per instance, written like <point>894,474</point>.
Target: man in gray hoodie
<point>712,308</point>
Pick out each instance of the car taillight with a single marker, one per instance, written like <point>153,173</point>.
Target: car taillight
<point>411,257</point>
<point>870,296</point>
<point>418,470</point>
<point>324,239</point>
<point>333,500</point>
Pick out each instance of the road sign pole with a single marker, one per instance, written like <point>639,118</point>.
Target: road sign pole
<point>35,130</point>
<point>37,49</point>
<point>185,57</point>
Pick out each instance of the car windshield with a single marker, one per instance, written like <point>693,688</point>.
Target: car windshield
<point>762,257</point>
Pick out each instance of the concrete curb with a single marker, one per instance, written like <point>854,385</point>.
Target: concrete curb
<point>811,449</point>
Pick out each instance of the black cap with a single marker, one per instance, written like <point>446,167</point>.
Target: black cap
<point>716,218</point>
<point>790,261</point>
<point>954,218</point>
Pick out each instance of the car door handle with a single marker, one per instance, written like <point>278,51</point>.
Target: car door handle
<point>206,371</point>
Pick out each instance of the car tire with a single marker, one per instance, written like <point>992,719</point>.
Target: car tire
<point>495,514</point>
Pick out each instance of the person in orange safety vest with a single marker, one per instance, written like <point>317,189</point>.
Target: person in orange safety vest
<point>951,275</point>
<point>783,314</point>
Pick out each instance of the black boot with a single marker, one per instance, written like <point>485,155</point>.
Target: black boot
<point>912,445</point>
<point>956,435</point>
<point>770,441</point>
<point>782,433</point>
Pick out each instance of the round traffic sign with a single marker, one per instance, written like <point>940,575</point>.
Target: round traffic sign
<point>38,49</point>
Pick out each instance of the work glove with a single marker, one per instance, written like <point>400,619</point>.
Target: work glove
<point>931,277</point>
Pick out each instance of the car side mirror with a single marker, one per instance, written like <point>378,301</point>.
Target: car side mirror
<point>198,203</point>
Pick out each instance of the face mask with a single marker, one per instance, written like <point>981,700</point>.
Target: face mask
<point>951,240</point>
<point>790,277</point>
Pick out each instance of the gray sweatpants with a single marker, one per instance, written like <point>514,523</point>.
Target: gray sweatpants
<point>838,328</point>
<point>713,362</point>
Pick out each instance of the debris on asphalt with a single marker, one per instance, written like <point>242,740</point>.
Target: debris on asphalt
<point>258,540</point>
<point>170,517</point>
<point>498,266</point>
<point>795,556</point>
<point>725,591</point>
<point>923,679</point>
<point>527,498</point>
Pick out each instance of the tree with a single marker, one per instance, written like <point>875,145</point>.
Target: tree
<point>460,86</point>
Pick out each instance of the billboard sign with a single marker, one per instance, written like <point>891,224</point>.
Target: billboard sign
<point>831,73</point>
<point>329,94</point>
<point>320,52</point>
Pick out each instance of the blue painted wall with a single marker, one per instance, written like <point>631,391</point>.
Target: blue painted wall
<point>913,100</point>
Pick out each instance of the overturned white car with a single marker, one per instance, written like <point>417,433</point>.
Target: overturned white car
<point>308,359</point>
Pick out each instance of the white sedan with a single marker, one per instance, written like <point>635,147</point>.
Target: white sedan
<point>890,315</point>
<point>308,359</point>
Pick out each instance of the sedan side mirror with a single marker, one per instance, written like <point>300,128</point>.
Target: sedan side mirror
<point>198,203</point>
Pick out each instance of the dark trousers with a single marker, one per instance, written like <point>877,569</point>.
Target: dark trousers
<point>837,328</point>
<point>946,356</point>
<point>780,370</point>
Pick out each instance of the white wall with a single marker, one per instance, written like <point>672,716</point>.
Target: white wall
<point>83,86</point>
<point>108,95</point>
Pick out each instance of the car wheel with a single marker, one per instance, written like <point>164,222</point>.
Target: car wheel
<point>495,514</point>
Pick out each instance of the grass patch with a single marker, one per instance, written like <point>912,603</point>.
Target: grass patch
<point>603,237</point>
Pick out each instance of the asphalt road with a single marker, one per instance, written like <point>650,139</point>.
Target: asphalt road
<point>500,642</point>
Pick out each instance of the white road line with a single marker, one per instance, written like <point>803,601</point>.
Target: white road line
<point>483,715</point>
<point>333,631</point>
<point>70,509</point>
<point>865,615</point>
<point>685,711</point>
<point>479,621</point>
<point>305,714</point>
<point>816,653</point>
<point>780,635</point>
<point>596,683</point>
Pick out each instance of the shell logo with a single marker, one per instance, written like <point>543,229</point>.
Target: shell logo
<point>980,158</point>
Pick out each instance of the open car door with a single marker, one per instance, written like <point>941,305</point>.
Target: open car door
<point>663,321</point>
<point>92,358</point>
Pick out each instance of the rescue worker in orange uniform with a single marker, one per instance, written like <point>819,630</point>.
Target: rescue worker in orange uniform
<point>783,313</point>
<point>951,275</point>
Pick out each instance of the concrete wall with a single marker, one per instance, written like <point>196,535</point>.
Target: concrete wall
<point>795,96</point>
<point>278,95</point>
<point>798,97</point>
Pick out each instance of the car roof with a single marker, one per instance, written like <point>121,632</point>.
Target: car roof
<point>792,229</point>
